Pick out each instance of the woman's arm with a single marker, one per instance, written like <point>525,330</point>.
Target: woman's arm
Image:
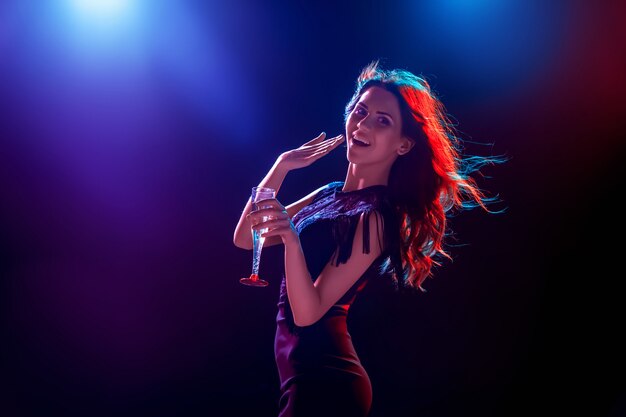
<point>291,209</point>
<point>311,300</point>
<point>242,237</point>
<point>301,157</point>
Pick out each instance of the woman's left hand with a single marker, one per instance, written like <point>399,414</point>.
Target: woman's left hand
<point>272,215</point>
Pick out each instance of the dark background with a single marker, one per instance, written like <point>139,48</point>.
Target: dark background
<point>132,133</point>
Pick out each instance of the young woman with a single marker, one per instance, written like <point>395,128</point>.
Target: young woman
<point>405,174</point>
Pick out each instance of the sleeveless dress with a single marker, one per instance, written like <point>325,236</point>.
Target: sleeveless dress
<point>319,370</point>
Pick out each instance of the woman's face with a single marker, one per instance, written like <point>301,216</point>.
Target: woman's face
<point>376,120</point>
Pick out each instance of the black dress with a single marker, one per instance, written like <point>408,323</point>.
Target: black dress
<point>320,372</point>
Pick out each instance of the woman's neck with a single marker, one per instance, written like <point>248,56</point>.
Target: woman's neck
<point>359,177</point>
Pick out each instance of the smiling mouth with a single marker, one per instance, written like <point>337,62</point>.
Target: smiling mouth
<point>359,142</point>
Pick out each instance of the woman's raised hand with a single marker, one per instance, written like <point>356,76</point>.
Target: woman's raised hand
<point>310,152</point>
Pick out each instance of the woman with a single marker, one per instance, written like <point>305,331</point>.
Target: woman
<point>405,174</point>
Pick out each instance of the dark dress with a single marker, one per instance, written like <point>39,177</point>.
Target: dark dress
<point>320,372</point>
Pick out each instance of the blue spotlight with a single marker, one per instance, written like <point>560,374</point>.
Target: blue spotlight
<point>102,8</point>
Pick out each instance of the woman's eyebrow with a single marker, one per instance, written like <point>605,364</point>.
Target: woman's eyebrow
<point>379,112</point>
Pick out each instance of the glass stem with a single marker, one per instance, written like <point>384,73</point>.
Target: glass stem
<point>257,247</point>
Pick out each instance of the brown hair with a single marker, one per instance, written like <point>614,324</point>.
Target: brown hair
<point>429,181</point>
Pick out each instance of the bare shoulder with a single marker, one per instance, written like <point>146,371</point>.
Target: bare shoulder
<point>295,207</point>
<point>292,209</point>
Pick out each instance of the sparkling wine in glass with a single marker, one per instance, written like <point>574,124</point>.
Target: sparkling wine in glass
<point>258,194</point>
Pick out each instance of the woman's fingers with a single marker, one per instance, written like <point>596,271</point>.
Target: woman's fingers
<point>270,209</point>
<point>332,141</point>
<point>337,140</point>
<point>274,227</point>
<point>306,154</point>
<point>273,220</point>
<point>270,223</point>
<point>324,150</point>
<point>316,140</point>
<point>328,143</point>
<point>314,145</point>
<point>277,231</point>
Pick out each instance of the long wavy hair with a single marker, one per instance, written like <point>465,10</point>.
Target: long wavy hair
<point>431,181</point>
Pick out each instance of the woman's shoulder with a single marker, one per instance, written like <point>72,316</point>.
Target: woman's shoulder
<point>375,197</point>
<point>334,186</point>
<point>370,193</point>
<point>331,201</point>
<point>326,190</point>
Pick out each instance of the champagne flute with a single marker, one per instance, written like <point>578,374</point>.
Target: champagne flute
<point>258,194</point>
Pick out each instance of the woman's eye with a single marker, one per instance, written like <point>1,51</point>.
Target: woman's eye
<point>384,121</point>
<point>359,111</point>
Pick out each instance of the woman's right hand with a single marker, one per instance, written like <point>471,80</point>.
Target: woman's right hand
<point>310,152</point>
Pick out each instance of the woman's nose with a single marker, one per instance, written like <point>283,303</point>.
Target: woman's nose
<point>364,123</point>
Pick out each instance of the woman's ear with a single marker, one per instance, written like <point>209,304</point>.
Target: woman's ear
<point>406,146</point>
